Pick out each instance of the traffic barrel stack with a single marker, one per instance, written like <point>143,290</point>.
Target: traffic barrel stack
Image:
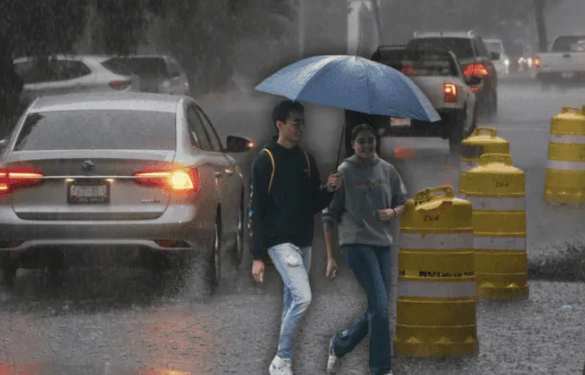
<point>484,140</point>
<point>565,173</point>
<point>497,192</point>
<point>436,306</point>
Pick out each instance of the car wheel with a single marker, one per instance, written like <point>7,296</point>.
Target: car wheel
<point>240,233</point>
<point>457,125</point>
<point>9,270</point>
<point>215,266</point>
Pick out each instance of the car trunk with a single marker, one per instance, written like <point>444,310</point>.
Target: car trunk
<point>89,185</point>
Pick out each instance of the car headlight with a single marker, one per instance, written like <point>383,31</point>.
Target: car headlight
<point>507,62</point>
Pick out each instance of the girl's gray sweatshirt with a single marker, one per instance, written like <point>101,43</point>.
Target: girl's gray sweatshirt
<point>367,187</point>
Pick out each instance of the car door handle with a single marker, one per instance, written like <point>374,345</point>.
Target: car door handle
<point>218,174</point>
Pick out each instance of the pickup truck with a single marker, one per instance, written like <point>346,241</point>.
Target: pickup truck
<point>564,65</point>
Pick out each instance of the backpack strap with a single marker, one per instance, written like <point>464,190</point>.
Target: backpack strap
<point>273,168</point>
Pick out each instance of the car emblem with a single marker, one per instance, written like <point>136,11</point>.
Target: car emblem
<point>88,165</point>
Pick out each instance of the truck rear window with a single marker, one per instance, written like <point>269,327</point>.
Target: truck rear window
<point>424,63</point>
<point>461,47</point>
<point>98,130</point>
<point>569,44</point>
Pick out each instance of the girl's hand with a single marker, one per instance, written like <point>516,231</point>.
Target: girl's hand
<point>386,215</point>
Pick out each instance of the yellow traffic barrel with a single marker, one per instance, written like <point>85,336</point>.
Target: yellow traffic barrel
<point>497,192</point>
<point>565,172</point>
<point>436,306</point>
<point>484,140</point>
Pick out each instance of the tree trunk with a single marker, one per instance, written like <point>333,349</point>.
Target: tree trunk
<point>541,25</point>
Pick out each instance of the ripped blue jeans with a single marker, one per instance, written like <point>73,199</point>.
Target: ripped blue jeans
<point>293,264</point>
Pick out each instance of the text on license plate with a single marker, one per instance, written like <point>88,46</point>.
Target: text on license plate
<point>88,193</point>
<point>395,121</point>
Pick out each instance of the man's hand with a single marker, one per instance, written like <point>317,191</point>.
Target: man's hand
<point>258,271</point>
<point>331,271</point>
<point>385,214</point>
<point>334,182</point>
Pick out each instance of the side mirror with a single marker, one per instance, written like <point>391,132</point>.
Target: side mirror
<point>235,144</point>
<point>472,80</point>
<point>494,56</point>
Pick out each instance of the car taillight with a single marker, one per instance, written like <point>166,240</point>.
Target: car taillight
<point>536,62</point>
<point>476,70</point>
<point>12,179</point>
<point>120,85</point>
<point>408,70</point>
<point>182,180</point>
<point>449,93</point>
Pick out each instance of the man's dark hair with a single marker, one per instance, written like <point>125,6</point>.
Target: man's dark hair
<point>283,109</point>
<point>360,128</point>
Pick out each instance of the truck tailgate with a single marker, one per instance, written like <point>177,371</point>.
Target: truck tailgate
<point>562,62</point>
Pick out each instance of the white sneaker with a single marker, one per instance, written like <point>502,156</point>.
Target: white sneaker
<point>280,366</point>
<point>333,361</point>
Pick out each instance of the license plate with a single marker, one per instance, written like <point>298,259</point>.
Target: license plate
<point>568,75</point>
<point>88,193</point>
<point>396,121</point>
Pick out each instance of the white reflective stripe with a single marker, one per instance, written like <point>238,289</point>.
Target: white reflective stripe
<point>499,243</point>
<point>437,241</point>
<point>566,165</point>
<point>466,166</point>
<point>434,289</point>
<point>497,204</point>
<point>567,139</point>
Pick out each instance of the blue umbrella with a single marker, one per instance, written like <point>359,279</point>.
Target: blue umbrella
<point>353,83</point>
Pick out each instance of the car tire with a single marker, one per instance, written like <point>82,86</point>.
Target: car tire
<point>215,261</point>
<point>492,105</point>
<point>9,270</point>
<point>240,234</point>
<point>456,135</point>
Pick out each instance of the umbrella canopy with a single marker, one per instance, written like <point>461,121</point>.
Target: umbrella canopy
<point>353,83</point>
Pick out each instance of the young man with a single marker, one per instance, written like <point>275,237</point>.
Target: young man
<point>285,195</point>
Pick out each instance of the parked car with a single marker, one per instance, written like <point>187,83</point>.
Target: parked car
<point>564,65</point>
<point>437,73</point>
<point>158,73</point>
<point>502,64</point>
<point>61,74</point>
<point>475,59</point>
<point>143,174</point>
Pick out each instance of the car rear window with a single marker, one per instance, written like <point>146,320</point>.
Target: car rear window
<point>494,46</point>
<point>424,63</point>
<point>461,47</point>
<point>148,67</point>
<point>98,130</point>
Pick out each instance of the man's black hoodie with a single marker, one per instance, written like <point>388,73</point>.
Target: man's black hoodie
<point>286,213</point>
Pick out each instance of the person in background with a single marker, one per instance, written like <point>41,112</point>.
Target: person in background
<point>286,193</point>
<point>372,195</point>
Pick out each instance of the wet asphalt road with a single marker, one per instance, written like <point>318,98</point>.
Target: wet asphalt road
<point>118,321</point>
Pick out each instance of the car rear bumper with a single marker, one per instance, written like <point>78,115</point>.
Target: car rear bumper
<point>577,78</point>
<point>180,229</point>
<point>419,128</point>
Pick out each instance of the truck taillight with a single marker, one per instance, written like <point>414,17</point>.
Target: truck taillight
<point>181,180</point>
<point>408,70</point>
<point>536,62</point>
<point>476,70</point>
<point>12,179</point>
<point>449,93</point>
<point>120,85</point>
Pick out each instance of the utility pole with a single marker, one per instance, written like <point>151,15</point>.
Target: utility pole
<point>301,28</point>
<point>541,25</point>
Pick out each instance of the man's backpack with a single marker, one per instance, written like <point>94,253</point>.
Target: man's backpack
<point>274,166</point>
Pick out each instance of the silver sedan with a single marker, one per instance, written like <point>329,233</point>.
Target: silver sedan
<point>132,175</point>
